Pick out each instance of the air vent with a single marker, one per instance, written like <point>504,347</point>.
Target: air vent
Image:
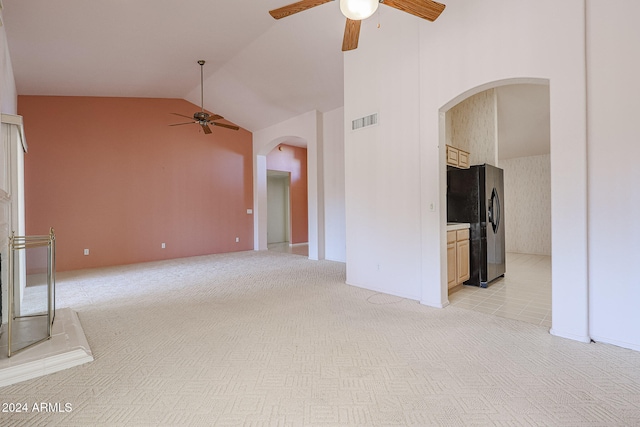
<point>364,122</point>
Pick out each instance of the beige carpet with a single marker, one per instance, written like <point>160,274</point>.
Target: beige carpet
<point>273,339</point>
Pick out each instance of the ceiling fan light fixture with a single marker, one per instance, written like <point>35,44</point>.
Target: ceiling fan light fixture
<point>358,10</point>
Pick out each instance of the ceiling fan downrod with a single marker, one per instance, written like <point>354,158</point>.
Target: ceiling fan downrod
<point>201,62</point>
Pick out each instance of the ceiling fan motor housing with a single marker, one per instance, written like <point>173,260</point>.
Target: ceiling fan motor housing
<point>201,116</point>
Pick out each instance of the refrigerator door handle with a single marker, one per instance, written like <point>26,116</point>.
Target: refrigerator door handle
<point>494,210</point>
<point>498,211</point>
<point>490,209</point>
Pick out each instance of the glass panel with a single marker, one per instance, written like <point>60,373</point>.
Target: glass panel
<point>32,301</point>
<point>31,289</point>
<point>34,296</point>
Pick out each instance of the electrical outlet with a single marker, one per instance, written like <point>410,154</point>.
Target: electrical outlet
<point>237,239</point>
<point>86,252</point>
<point>164,246</point>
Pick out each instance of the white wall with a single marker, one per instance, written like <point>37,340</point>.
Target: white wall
<point>527,204</point>
<point>614,175</point>
<point>8,93</point>
<point>478,44</point>
<point>334,203</point>
<point>382,163</point>
<point>410,79</point>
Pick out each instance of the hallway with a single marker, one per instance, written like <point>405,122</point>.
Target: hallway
<point>285,247</point>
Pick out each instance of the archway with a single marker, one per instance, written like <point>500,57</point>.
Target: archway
<point>513,296</point>
<point>260,186</point>
<point>287,199</point>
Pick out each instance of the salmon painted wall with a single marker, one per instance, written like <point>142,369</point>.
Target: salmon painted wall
<point>287,158</point>
<point>111,175</point>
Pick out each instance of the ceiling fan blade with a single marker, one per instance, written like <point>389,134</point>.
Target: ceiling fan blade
<point>351,35</point>
<point>300,6</point>
<point>180,124</point>
<point>182,115</point>
<point>425,9</point>
<point>206,129</point>
<point>225,126</point>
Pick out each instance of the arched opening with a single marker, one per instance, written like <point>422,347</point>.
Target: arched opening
<point>507,124</point>
<point>287,200</point>
<point>272,165</point>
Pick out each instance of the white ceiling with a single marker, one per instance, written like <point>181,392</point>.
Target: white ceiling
<point>523,121</point>
<point>259,71</point>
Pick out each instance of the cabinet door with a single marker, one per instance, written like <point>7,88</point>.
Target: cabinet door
<point>452,265</point>
<point>452,274</point>
<point>463,159</point>
<point>462,260</point>
<point>452,156</point>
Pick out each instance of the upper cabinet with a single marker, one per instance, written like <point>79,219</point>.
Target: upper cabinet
<point>457,157</point>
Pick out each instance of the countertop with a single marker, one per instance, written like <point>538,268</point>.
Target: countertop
<point>452,226</point>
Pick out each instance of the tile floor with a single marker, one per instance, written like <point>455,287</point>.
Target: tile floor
<point>298,249</point>
<point>523,294</point>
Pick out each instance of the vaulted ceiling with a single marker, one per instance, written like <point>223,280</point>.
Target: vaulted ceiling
<point>259,71</point>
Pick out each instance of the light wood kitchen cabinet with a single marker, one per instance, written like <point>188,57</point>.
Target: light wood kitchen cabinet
<point>458,269</point>
<point>462,255</point>
<point>452,275</point>
<point>457,157</point>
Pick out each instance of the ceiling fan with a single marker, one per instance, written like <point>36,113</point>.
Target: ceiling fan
<point>357,10</point>
<point>201,117</point>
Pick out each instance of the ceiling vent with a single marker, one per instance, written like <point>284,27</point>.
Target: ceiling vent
<point>364,122</point>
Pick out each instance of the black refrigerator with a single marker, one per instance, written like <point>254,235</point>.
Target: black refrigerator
<point>476,196</point>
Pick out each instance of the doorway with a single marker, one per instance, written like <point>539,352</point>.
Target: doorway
<point>279,224</point>
<point>278,208</point>
<point>509,126</point>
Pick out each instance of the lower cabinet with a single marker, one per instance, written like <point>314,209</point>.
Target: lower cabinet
<point>452,255</point>
<point>457,257</point>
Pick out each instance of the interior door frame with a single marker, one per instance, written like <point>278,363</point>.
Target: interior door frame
<point>285,178</point>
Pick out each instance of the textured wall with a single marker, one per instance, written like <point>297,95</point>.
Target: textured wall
<point>111,175</point>
<point>527,205</point>
<point>472,124</point>
<point>294,160</point>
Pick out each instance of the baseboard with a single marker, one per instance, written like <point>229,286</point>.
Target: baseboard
<point>434,305</point>
<point>383,291</point>
<point>581,338</point>
<point>618,343</point>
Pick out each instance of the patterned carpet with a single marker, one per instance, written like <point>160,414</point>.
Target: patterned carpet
<point>273,339</point>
